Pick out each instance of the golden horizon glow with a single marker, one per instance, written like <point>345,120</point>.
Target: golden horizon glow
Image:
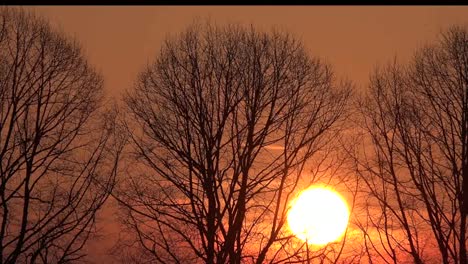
<point>318,216</point>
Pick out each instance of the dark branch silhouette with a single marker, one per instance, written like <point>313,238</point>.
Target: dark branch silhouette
<point>222,124</point>
<point>415,165</point>
<point>57,168</point>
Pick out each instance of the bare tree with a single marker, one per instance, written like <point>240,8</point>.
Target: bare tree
<point>57,168</point>
<point>223,124</point>
<point>416,163</point>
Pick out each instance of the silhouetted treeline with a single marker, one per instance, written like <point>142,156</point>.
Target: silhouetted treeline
<point>216,138</point>
<point>57,167</point>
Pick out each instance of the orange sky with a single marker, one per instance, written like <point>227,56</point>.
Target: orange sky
<point>120,40</point>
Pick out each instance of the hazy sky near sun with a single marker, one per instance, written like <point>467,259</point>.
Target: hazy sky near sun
<point>120,40</point>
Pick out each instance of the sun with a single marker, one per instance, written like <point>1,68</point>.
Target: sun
<point>318,216</point>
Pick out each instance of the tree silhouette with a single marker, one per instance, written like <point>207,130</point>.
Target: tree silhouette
<point>222,124</point>
<point>415,165</point>
<point>57,167</point>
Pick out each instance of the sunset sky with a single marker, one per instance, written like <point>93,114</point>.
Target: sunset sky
<point>120,40</point>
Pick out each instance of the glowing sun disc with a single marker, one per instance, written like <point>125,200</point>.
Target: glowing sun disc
<point>318,216</point>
